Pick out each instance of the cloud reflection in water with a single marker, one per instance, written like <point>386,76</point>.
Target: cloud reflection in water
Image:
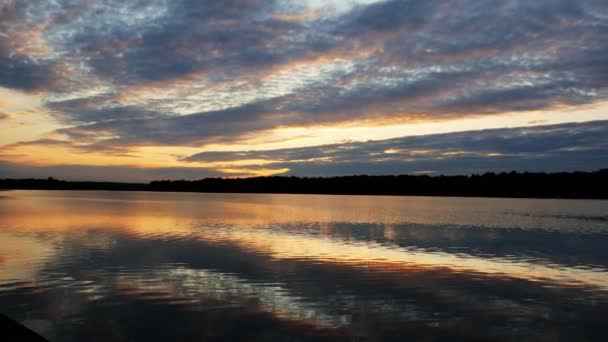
<point>304,266</point>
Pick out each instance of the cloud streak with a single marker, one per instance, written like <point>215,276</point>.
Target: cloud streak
<point>559,147</point>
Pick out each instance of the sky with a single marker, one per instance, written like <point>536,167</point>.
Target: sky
<point>138,90</point>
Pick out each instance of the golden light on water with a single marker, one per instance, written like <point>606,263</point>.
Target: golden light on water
<point>251,226</point>
<point>326,262</point>
<point>180,90</point>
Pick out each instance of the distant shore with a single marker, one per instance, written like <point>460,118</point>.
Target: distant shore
<point>575,185</point>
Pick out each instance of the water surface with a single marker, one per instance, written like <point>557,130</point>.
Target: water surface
<point>136,266</point>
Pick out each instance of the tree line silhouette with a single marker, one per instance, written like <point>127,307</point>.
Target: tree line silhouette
<point>590,185</point>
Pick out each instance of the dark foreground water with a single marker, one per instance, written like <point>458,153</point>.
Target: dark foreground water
<point>132,266</point>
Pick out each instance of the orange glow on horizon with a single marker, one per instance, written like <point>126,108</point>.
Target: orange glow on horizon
<point>38,125</point>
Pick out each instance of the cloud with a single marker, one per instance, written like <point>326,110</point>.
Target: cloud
<point>185,72</point>
<point>541,148</point>
<point>87,110</point>
<point>191,130</point>
<point>564,147</point>
<point>191,36</point>
<point>23,74</point>
<point>20,46</point>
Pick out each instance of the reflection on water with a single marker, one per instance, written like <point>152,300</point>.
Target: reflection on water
<point>155,266</point>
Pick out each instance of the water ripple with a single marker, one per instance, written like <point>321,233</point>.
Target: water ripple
<point>139,266</point>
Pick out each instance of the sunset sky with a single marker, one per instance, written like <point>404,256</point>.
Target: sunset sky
<point>137,90</point>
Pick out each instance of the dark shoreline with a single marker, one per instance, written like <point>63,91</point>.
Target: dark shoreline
<point>566,185</point>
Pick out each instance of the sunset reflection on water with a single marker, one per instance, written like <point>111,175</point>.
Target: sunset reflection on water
<point>111,264</point>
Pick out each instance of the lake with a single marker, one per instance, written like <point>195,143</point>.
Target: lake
<point>138,266</point>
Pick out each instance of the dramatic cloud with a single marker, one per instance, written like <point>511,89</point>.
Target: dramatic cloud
<point>116,75</point>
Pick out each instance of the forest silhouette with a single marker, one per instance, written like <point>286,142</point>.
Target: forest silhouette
<point>591,185</point>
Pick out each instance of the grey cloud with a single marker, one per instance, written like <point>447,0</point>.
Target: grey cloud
<point>94,110</point>
<point>581,146</point>
<point>499,42</point>
<point>137,126</point>
<point>25,74</point>
<point>495,28</point>
<point>475,85</point>
<point>195,36</point>
<point>388,16</point>
<point>17,70</point>
<point>177,130</point>
<point>567,161</point>
<point>518,98</point>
